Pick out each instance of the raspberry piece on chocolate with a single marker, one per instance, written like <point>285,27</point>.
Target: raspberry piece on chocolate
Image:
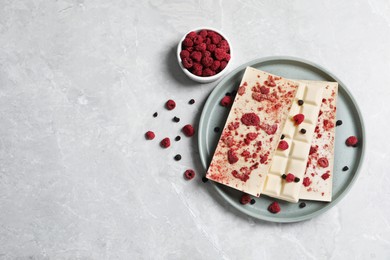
<point>283,145</point>
<point>245,199</point>
<point>306,181</point>
<point>149,135</point>
<point>290,177</point>
<point>165,143</point>
<point>269,129</point>
<point>274,207</point>
<point>351,141</point>
<point>250,119</point>
<point>170,104</point>
<point>187,63</point>
<point>251,136</point>
<point>263,158</point>
<point>215,65</point>
<point>313,149</point>
<point>187,42</point>
<point>226,101</point>
<point>323,162</point>
<point>189,174</point>
<point>298,119</point>
<point>207,61</point>
<point>208,72</point>
<point>264,90</point>
<point>325,176</point>
<point>188,130</point>
<point>196,56</point>
<point>232,157</point>
<point>184,54</point>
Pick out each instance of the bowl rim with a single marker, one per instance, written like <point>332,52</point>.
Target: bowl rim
<point>208,78</point>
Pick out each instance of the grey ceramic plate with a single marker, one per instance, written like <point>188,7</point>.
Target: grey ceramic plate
<point>214,115</point>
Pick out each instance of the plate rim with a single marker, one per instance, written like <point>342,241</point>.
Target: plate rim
<point>270,218</point>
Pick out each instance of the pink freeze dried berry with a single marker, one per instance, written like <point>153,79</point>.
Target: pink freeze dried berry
<point>298,119</point>
<point>149,135</point>
<point>274,207</point>
<point>351,141</point>
<point>187,63</point>
<point>226,101</point>
<point>187,42</point>
<point>188,130</point>
<point>170,104</point>
<point>184,54</point>
<point>165,143</point>
<point>207,61</point>
<point>232,157</point>
<point>283,145</point>
<point>250,119</point>
<point>223,65</point>
<point>215,65</point>
<point>189,174</point>
<point>245,199</point>
<point>208,72</point>
<point>196,56</point>
<point>323,162</point>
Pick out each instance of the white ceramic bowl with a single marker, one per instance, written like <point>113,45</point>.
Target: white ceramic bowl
<point>199,78</point>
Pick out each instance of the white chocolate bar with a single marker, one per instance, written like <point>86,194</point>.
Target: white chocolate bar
<point>318,180</point>
<point>294,159</point>
<point>251,132</point>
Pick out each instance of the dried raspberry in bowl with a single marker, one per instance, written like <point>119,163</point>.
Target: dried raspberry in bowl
<point>207,48</point>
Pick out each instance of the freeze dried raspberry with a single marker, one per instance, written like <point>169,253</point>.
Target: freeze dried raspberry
<point>251,136</point>
<point>274,207</point>
<point>223,65</point>
<point>188,130</point>
<point>189,49</point>
<point>208,72</point>
<point>196,56</point>
<point>189,174</point>
<point>149,135</point>
<point>216,38</point>
<point>323,162</point>
<point>165,143</point>
<point>290,177</point>
<point>298,119</point>
<point>269,129</point>
<point>226,101</point>
<point>170,104</point>
<point>201,47</point>
<point>203,33</point>
<point>263,158</point>
<point>220,54</point>
<point>325,176</point>
<point>313,149</point>
<point>264,90</point>
<point>306,181</point>
<point>351,141</point>
<point>187,63</point>
<point>197,66</point>
<point>215,65</point>
<point>224,45</point>
<point>198,39</point>
<point>283,145</point>
<point>211,47</point>
<point>184,54</point>
<point>191,35</point>
<point>227,57</point>
<point>250,119</point>
<point>197,72</point>
<point>207,61</point>
<point>206,54</point>
<point>187,42</point>
<point>232,157</point>
<point>245,199</point>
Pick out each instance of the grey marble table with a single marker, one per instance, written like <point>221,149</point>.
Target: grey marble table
<point>79,82</point>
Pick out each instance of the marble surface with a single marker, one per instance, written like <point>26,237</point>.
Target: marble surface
<point>79,82</point>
